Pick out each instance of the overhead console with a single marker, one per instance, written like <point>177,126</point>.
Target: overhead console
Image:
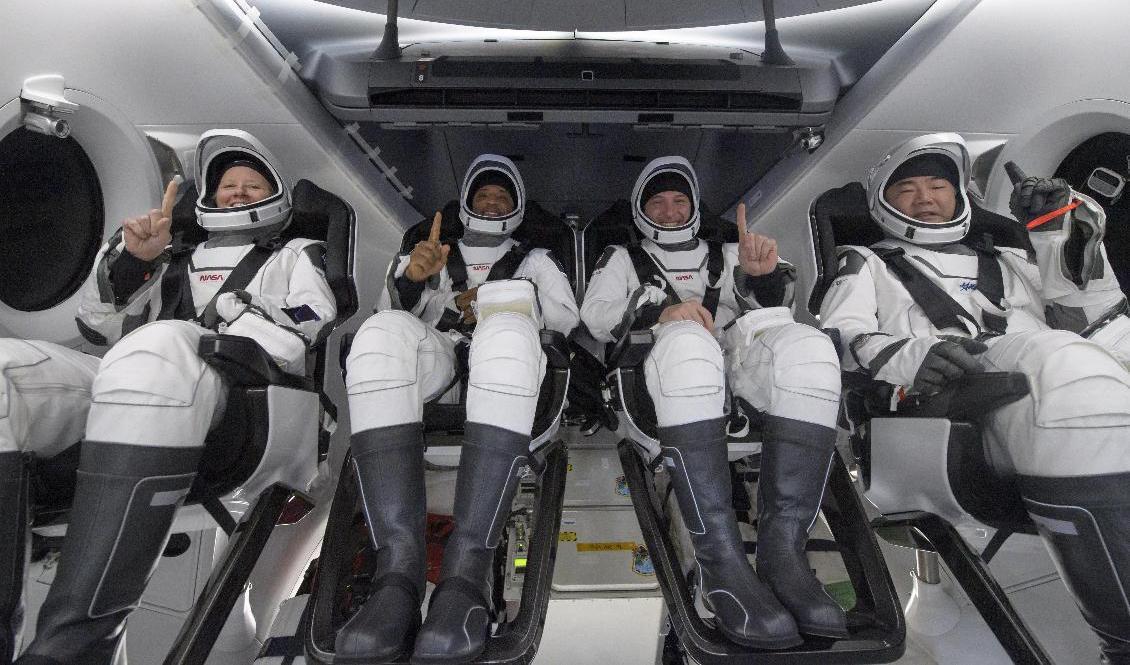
<point>575,81</point>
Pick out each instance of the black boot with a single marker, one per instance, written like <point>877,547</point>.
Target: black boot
<point>389,462</point>
<point>124,505</point>
<point>13,534</point>
<point>744,609</point>
<point>1085,523</point>
<point>459,615</point>
<point>795,459</point>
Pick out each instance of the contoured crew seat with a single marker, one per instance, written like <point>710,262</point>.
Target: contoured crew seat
<point>875,620</point>
<point>274,432</point>
<point>923,464</point>
<point>341,586</point>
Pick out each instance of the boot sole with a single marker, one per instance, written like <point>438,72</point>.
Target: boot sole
<point>370,660</point>
<point>443,660</point>
<point>823,631</point>
<point>768,644</point>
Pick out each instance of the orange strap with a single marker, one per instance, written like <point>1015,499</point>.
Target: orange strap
<point>1044,219</point>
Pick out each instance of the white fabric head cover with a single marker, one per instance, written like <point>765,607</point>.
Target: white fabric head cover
<point>492,169</point>
<point>662,235</point>
<point>898,225</point>
<point>220,148</point>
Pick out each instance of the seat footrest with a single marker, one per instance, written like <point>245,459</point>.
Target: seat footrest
<point>515,642</point>
<point>876,623</point>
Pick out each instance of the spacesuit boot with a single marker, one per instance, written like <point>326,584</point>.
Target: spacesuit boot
<point>125,501</point>
<point>389,462</point>
<point>1085,523</point>
<point>795,458</point>
<point>744,609</point>
<point>13,530</point>
<point>459,614</point>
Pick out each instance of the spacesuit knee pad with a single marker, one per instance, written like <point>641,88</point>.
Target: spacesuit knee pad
<point>517,296</point>
<point>506,355</point>
<point>14,354</point>
<point>385,352</point>
<point>1077,384</point>
<point>805,362</point>
<point>686,365</point>
<point>155,365</point>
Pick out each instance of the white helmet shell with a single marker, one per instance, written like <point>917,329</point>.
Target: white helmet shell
<point>898,225</point>
<point>217,149</point>
<point>501,225</point>
<point>664,235</point>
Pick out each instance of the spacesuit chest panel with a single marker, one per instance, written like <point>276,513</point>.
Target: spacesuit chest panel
<point>685,270</point>
<point>480,260</point>
<point>209,268</point>
<point>956,274</point>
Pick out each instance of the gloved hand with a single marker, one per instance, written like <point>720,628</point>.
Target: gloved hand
<point>949,359</point>
<point>230,305</point>
<point>1033,196</point>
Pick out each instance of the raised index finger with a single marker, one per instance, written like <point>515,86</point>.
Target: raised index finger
<point>1015,173</point>
<point>740,219</point>
<point>170,197</point>
<point>433,235</point>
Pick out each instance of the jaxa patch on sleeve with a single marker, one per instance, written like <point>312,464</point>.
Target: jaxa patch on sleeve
<point>605,257</point>
<point>301,314</point>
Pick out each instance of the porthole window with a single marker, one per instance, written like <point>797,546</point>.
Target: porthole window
<point>1110,150</point>
<point>51,219</point>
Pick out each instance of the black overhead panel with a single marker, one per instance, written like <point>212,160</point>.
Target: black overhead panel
<point>583,168</point>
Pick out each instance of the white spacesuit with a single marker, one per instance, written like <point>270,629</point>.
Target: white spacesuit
<point>144,411</point>
<point>1068,441</point>
<point>786,370</point>
<point>405,355</point>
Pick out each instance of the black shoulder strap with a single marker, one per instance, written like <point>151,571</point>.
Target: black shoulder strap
<point>240,276</point>
<point>990,282</point>
<point>456,268</point>
<point>715,263</point>
<point>176,292</point>
<point>507,265</point>
<point>942,310</point>
<point>647,271</point>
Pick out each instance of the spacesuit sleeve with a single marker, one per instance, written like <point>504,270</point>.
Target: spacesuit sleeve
<point>428,303</point>
<point>775,289</point>
<point>1077,282</point>
<point>851,306</point>
<point>609,294</point>
<point>104,317</point>
<point>310,303</point>
<point>285,328</point>
<point>555,294</point>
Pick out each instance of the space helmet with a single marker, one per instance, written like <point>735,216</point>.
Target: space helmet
<point>492,170</point>
<point>672,173</point>
<point>221,149</point>
<point>943,155</point>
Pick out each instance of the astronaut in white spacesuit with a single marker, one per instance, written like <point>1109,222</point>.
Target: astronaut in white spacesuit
<point>405,355</point>
<point>720,316</point>
<point>144,411</point>
<point>1061,320</point>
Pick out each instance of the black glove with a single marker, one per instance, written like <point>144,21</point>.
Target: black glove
<point>947,360</point>
<point>1032,197</point>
